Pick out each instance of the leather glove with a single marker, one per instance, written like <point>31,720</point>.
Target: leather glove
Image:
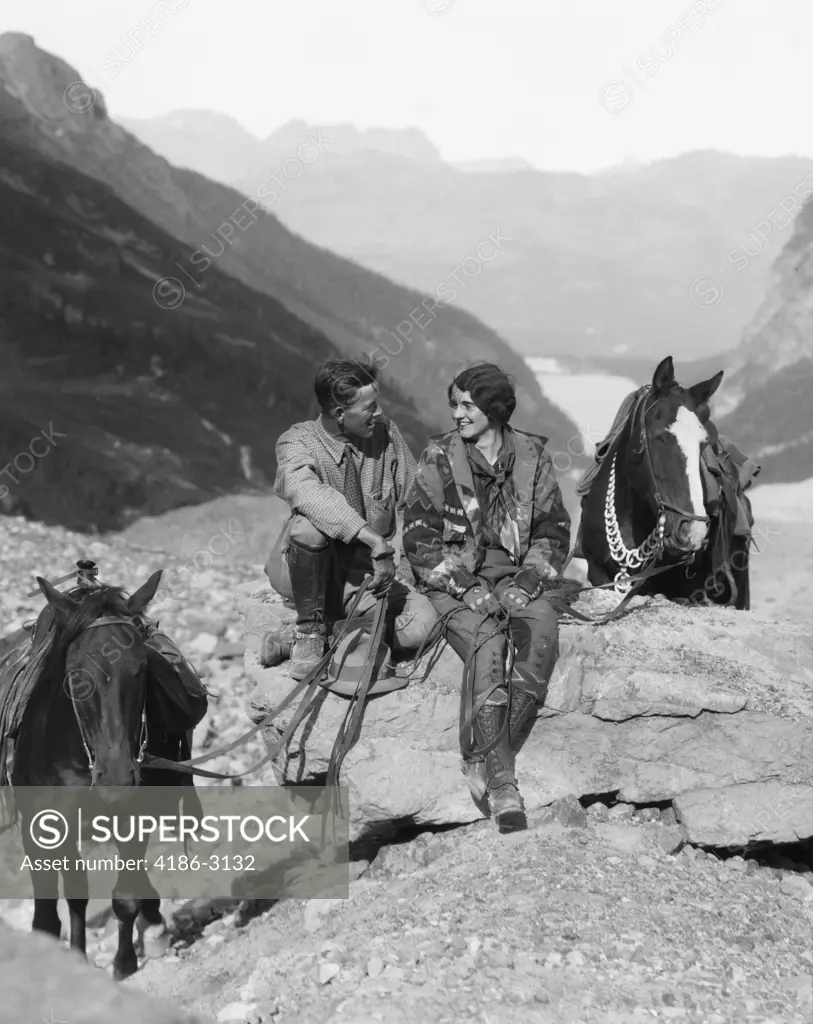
<point>383,570</point>
<point>514,598</point>
<point>482,601</point>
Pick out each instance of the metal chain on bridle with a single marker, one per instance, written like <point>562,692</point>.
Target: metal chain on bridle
<point>639,557</point>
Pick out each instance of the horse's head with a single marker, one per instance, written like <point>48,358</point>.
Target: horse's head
<point>664,456</point>
<point>100,649</point>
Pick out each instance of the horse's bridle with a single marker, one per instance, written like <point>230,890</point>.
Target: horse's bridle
<point>663,506</point>
<point>648,551</point>
<point>109,620</point>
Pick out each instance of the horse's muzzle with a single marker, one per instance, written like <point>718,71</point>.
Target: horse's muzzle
<point>687,535</point>
<point>120,777</point>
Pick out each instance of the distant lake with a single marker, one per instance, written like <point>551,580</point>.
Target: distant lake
<point>591,400</point>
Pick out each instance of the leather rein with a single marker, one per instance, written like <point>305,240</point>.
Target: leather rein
<point>307,687</point>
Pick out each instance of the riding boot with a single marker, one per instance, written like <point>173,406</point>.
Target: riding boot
<point>504,800</point>
<point>309,573</point>
<point>522,708</point>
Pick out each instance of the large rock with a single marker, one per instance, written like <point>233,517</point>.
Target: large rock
<point>42,980</point>
<point>708,708</point>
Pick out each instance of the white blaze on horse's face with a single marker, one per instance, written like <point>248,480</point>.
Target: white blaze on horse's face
<point>690,433</point>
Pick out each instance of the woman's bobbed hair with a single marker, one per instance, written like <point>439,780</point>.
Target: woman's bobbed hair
<point>491,390</point>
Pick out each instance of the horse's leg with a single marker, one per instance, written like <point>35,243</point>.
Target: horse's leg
<point>46,915</point>
<point>78,909</point>
<point>741,569</point>
<point>152,935</point>
<point>46,890</point>
<point>76,882</point>
<point>125,962</point>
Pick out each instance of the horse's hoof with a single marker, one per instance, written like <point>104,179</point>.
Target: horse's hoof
<point>155,940</point>
<point>124,969</point>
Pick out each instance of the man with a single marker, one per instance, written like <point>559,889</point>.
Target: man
<point>486,532</point>
<point>345,476</point>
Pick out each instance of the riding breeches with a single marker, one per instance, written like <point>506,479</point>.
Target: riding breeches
<point>535,636</point>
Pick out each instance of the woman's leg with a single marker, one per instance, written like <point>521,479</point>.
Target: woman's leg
<point>490,775</point>
<point>535,631</point>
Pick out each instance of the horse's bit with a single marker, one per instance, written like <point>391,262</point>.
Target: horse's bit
<point>143,737</point>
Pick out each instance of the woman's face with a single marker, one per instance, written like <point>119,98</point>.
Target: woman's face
<point>470,421</point>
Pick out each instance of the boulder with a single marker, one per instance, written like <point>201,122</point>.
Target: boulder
<point>57,985</point>
<point>708,708</point>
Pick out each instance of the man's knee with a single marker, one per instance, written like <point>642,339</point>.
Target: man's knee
<point>306,534</point>
<point>307,537</point>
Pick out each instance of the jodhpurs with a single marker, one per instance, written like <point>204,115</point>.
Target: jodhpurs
<point>411,615</point>
<point>535,631</point>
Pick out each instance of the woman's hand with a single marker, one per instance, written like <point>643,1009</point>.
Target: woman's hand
<point>514,599</point>
<point>480,600</point>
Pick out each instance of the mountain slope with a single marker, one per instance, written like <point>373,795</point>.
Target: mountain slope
<point>151,408</point>
<point>356,309</point>
<point>596,263</point>
<point>772,374</point>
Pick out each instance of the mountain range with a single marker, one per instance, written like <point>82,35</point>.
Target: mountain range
<point>173,376</point>
<point>615,262</point>
<point>770,409</point>
<point>162,329</point>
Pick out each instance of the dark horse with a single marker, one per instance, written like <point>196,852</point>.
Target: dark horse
<point>87,725</point>
<point>645,503</point>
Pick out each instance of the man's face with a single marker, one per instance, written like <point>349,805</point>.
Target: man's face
<point>360,418</point>
<point>470,421</point>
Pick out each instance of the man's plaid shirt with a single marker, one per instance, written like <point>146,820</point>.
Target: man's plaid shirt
<point>311,473</point>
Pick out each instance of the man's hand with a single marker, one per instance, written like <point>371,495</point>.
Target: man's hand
<point>481,600</point>
<point>374,541</point>
<point>383,569</point>
<point>513,599</point>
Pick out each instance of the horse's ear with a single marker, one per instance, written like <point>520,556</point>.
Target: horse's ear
<point>145,593</point>
<point>63,605</point>
<point>703,391</point>
<point>664,376</point>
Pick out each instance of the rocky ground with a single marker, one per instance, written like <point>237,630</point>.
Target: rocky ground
<point>588,922</point>
<point>590,916</point>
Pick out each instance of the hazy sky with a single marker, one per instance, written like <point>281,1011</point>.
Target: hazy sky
<point>483,78</point>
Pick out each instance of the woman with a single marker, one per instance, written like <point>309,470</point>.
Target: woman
<point>486,531</point>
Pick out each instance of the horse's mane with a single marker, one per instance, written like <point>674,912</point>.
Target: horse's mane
<point>625,410</point>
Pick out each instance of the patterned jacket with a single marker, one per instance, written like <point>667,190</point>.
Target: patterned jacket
<point>443,535</point>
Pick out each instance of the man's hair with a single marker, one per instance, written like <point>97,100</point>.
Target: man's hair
<point>491,390</point>
<point>338,382</point>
